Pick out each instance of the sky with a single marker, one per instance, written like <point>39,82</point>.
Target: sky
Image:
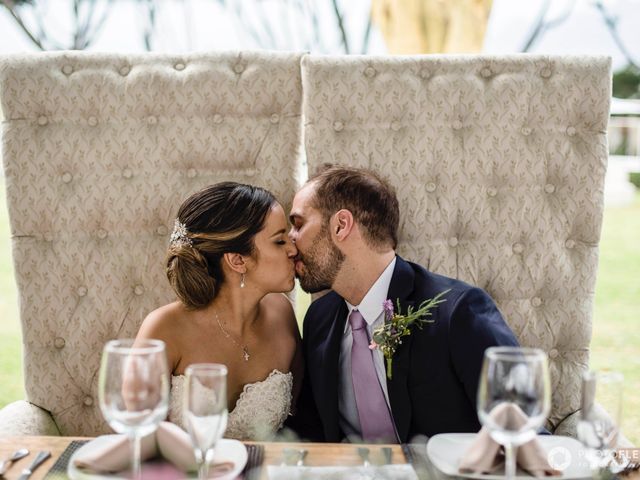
<point>197,25</point>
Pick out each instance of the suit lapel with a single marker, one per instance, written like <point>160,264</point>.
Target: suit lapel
<point>400,289</point>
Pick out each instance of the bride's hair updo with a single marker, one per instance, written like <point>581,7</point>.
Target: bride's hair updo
<point>222,218</point>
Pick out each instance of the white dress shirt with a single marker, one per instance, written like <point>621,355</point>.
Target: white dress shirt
<point>371,310</point>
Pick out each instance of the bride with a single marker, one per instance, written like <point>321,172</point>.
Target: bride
<point>228,261</point>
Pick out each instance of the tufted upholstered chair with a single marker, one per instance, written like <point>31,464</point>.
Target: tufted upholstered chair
<point>99,151</point>
<point>499,165</point>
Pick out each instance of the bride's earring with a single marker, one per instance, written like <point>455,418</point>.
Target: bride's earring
<point>242,281</point>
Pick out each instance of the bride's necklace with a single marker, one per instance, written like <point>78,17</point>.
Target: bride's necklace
<point>245,350</point>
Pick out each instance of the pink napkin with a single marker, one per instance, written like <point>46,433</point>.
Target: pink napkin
<point>484,454</point>
<point>169,441</point>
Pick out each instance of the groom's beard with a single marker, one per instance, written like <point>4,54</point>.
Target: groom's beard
<point>321,264</point>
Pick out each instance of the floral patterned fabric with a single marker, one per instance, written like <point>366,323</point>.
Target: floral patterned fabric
<point>99,151</point>
<point>499,166</point>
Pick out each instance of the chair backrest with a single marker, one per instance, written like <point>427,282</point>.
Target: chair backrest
<point>99,151</point>
<point>499,166</point>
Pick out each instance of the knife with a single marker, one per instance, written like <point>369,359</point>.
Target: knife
<point>39,460</point>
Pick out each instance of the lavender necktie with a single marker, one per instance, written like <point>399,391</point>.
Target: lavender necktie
<point>375,419</point>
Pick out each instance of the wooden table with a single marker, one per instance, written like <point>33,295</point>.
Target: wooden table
<point>319,453</point>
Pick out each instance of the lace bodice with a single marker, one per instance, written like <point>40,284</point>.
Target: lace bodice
<point>260,410</point>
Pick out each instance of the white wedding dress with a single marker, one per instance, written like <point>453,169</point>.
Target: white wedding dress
<point>260,410</point>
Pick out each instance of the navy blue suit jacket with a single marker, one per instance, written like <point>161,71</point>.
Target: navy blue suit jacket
<point>435,370</point>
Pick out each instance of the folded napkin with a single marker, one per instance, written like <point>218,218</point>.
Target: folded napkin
<point>169,441</point>
<point>484,454</point>
<point>388,472</point>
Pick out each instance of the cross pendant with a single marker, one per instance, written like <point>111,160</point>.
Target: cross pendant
<point>245,354</point>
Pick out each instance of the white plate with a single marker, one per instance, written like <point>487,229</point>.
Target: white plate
<point>227,450</point>
<point>566,454</point>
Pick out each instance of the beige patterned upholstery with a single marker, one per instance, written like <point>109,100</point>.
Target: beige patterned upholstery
<point>499,165</point>
<point>99,151</point>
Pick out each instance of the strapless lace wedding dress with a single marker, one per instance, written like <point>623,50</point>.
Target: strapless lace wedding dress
<point>260,410</point>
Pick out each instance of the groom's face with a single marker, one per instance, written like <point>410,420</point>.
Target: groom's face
<point>319,260</point>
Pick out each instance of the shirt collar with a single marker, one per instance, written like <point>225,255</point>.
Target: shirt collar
<point>371,305</point>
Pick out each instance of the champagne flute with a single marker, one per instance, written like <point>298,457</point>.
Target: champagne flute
<point>205,407</point>
<point>134,389</point>
<point>514,397</point>
<point>600,414</point>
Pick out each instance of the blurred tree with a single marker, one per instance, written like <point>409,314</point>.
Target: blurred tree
<point>88,17</point>
<point>432,26</point>
<point>626,82</point>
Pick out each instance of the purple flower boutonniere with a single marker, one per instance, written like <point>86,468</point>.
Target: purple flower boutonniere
<point>388,336</point>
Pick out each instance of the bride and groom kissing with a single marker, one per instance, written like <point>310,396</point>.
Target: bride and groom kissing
<point>233,255</point>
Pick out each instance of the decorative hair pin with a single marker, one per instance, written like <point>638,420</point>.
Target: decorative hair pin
<point>179,236</point>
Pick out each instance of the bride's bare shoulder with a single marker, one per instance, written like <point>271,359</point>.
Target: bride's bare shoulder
<point>278,309</point>
<point>165,321</point>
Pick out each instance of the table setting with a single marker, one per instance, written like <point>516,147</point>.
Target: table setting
<point>513,404</point>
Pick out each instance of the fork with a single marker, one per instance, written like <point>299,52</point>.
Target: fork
<point>363,452</point>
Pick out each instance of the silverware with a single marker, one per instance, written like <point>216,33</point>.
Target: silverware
<point>387,454</point>
<point>363,452</point>
<point>39,460</point>
<point>294,454</point>
<point>17,455</point>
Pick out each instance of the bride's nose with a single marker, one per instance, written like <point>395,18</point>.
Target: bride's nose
<point>292,251</point>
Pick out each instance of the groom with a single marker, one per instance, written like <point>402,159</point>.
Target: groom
<point>344,225</point>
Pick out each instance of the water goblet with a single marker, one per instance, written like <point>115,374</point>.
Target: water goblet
<point>134,389</point>
<point>205,410</point>
<point>514,397</point>
<point>600,413</point>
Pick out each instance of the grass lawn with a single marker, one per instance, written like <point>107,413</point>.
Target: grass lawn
<point>615,344</point>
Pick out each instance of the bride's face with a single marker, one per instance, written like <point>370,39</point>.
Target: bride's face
<point>272,268</point>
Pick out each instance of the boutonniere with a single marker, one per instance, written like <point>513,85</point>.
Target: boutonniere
<point>389,335</point>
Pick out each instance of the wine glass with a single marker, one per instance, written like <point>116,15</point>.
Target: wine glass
<point>514,397</point>
<point>134,389</point>
<point>600,413</point>
<point>205,410</point>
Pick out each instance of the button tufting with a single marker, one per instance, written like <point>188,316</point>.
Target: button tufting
<point>217,118</point>
<point>492,192</point>
<point>59,343</point>
<point>517,248</point>
<point>238,68</point>
<point>162,230</point>
<point>92,121</point>
<point>102,234</point>
<point>88,401</point>
<point>425,74</point>
<point>545,72</point>
<point>81,291</point>
<point>549,188</point>
<point>571,131</point>
<point>395,126</point>
<point>42,120</point>
<point>191,173</point>
<point>370,72</point>
<point>431,187</point>
<point>553,353</point>
<point>338,126</point>
<point>152,120</point>
<point>486,72</point>
<point>570,243</point>
<point>453,242</point>
<point>275,118</point>
<point>536,301</point>
<point>526,131</point>
<point>179,66</point>
<point>67,69</point>
<point>127,173</point>
<point>67,177</point>
<point>138,290</point>
<point>457,125</point>
<point>124,71</point>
